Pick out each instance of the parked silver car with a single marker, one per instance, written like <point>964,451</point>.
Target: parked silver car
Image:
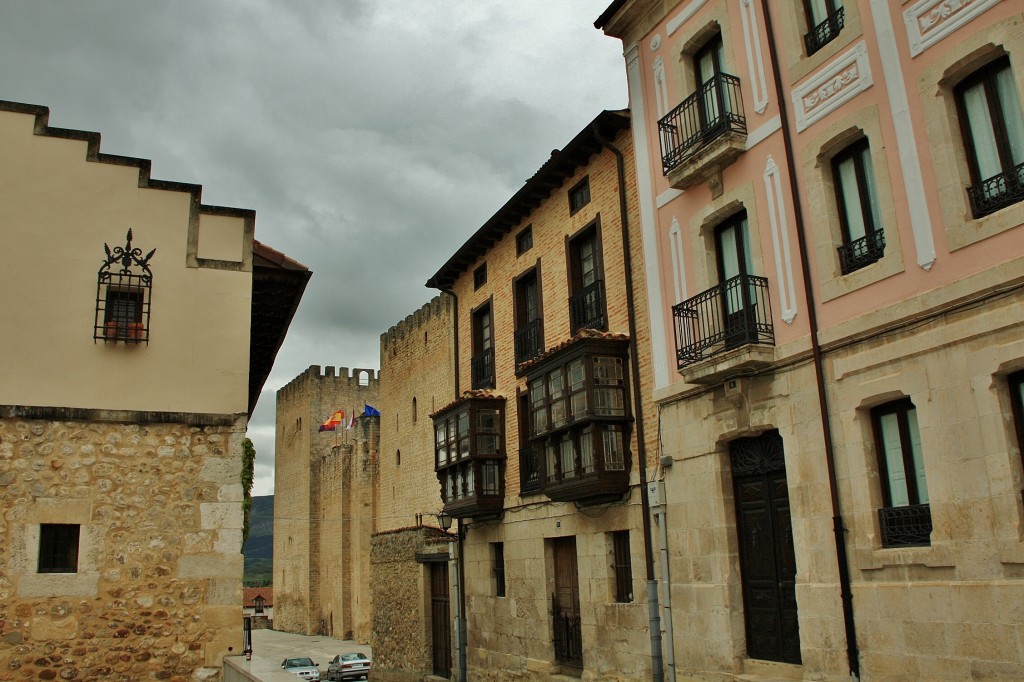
<point>304,668</point>
<point>352,666</point>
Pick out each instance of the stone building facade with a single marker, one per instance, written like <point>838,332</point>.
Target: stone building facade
<point>120,446</point>
<point>830,208</point>
<point>409,554</point>
<point>541,452</point>
<point>323,503</point>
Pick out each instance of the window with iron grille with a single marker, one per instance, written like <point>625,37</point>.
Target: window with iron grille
<point>905,520</point>
<point>857,200</point>
<point>124,287</point>
<point>586,282</point>
<point>482,361</point>
<point>58,548</point>
<point>498,552</point>
<point>579,195</point>
<point>826,19</point>
<point>992,127</point>
<point>621,566</point>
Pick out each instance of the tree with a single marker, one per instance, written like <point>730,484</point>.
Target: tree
<point>248,473</point>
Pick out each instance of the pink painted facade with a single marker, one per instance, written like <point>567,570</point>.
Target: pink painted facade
<point>832,213</point>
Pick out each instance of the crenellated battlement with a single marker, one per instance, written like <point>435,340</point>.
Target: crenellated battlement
<point>355,378</point>
<point>415,321</point>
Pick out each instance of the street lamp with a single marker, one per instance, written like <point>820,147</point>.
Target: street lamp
<point>444,520</point>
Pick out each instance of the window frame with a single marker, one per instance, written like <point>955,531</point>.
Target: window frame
<point>479,276</point>
<point>910,524</point>
<point>524,240</point>
<point>525,316</point>
<point>482,337</point>
<point>986,76</point>
<point>59,547</point>
<point>622,566</point>
<point>1015,383</point>
<point>579,195</point>
<point>859,152</point>
<point>498,568</point>
<point>835,15</point>
<point>578,274</point>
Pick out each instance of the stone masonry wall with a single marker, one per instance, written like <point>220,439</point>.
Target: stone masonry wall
<point>157,594</point>
<point>401,628</point>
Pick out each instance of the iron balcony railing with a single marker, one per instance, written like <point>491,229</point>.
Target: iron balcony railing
<point>482,369</point>
<point>529,340</point>
<point>1000,191</point>
<point>825,32</point>
<point>732,314</point>
<point>909,526</point>
<point>586,309</point>
<point>862,252</point>
<point>715,109</point>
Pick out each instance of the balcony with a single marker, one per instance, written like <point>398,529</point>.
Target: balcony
<point>704,134</point>
<point>907,526</point>
<point>825,32</point>
<point>469,456</point>
<point>728,317</point>
<point>482,369</point>
<point>529,341</point>
<point>586,308</point>
<point>1000,191</point>
<point>861,252</point>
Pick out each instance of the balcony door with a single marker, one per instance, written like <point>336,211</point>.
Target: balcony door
<point>586,304</point>
<point>483,348</point>
<point>707,66</point>
<point>735,265</point>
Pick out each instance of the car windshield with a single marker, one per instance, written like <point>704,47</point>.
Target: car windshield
<point>353,657</point>
<point>296,662</point>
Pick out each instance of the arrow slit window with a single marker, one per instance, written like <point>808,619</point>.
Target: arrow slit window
<point>124,287</point>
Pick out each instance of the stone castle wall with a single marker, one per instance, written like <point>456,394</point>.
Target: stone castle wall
<point>158,591</point>
<point>307,552</point>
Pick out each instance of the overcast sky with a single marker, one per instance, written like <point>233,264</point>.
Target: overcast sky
<point>372,137</point>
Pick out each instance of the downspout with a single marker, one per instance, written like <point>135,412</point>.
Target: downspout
<point>845,591</point>
<point>653,614</point>
<point>460,564</point>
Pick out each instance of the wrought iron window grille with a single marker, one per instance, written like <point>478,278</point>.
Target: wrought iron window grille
<point>907,526</point>
<point>586,309</point>
<point>997,192</point>
<point>482,368</point>
<point>529,471</point>
<point>124,288</point>
<point>825,32</point>
<point>861,252</point>
<point>715,109</point>
<point>529,340</point>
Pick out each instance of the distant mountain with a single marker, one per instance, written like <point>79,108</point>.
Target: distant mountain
<point>259,548</point>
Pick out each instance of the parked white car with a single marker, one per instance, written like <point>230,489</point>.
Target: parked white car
<point>304,668</point>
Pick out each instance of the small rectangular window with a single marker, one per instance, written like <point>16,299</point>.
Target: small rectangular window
<point>499,568</point>
<point>905,520</point>
<point>58,548</point>
<point>579,195</point>
<point>524,240</point>
<point>480,276</point>
<point>622,567</point>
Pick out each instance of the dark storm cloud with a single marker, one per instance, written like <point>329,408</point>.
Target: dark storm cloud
<point>371,138</point>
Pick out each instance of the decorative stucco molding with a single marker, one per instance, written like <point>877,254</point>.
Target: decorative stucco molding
<point>660,87</point>
<point>780,239</point>
<point>675,238</point>
<point>929,21</point>
<point>755,60</point>
<point>835,84</point>
<point>655,42</point>
<point>681,18</point>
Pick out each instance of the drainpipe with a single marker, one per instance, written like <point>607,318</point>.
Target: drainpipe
<point>666,590</point>
<point>845,591</point>
<point>653,615</point>
<point>460,565</point>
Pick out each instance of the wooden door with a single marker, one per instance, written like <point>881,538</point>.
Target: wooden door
<point>767,557</point>
<point>440,619</point>
<point>568,639</point>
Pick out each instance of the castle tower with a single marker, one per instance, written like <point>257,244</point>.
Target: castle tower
<point>311,515</point>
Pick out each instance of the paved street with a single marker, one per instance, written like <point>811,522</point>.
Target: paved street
<point>270,647</point>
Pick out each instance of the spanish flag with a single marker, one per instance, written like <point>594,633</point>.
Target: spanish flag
<point>332,423</point>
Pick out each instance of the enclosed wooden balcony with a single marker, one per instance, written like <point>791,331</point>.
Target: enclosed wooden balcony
<point>469,456</point>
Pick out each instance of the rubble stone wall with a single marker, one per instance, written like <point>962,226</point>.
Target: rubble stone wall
<point>158,591</point>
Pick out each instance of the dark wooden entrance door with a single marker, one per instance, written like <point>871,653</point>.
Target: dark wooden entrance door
<point>767,560</point>
<point>565,605</point>
<point>440,619</point>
